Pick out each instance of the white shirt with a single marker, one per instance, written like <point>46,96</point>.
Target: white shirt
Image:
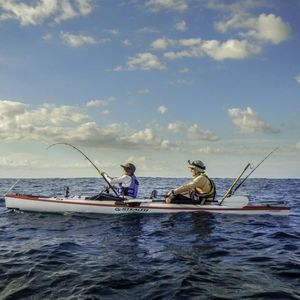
<point>125,180</point>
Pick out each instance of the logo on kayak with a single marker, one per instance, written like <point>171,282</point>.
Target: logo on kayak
<point>131,209</point>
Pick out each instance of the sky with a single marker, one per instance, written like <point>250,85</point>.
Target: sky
<point>152,82</point>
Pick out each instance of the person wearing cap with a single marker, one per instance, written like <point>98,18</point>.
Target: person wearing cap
<point>201,190</point>
<point>127,183</point>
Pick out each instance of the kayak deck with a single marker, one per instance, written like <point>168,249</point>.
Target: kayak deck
<point>86,205</point>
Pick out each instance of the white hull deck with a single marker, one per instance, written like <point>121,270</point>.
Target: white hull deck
<point>143,206</point>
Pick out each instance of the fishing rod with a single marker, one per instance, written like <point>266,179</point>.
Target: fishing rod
<point>70,145</point>
<point>231,189</point>
<point>255,169</point>
<point>12,187</point>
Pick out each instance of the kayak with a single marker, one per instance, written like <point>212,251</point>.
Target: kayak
<point>83,204</point>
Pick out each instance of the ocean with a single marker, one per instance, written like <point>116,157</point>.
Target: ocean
<point>167,256</point>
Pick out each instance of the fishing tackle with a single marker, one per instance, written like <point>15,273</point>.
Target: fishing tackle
<point>70,145</point>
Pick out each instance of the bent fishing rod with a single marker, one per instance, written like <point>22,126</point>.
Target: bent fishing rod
<point>70,145</point>
<point>234,188</point>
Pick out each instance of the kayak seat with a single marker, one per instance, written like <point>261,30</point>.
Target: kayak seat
<point>104,197</point>
<point>153,194</point>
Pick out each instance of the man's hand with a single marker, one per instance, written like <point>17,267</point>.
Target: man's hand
<point>102,173</point>
<point>170,197</point>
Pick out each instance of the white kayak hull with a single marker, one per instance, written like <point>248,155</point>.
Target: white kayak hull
<point>145,206</point>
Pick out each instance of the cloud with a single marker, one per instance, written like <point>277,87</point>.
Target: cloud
<point>196,133</point>
<point>297,78</point>
<point>142,61</point>
<point>78,40</point>
<point>41,10</point>
<point>100,102</point>
<point>181,26</point>
<point>248,121</point>
<point>147,30</point>
<point>15,115</point>
<point>230,49</point>
<point>162,43</point>
<point>162,109</point>
<point>157,5</point>
<point>298,146</point>
<point>206,150</point>
<point>50,124</point>
<point>127,43</point>
<point>112,31</point>
<point>47,37</point>
<point>105,112</point>
<point>237,7</point>
<point>147,137</point>
<point>176,126</point>
<point>267,28</point>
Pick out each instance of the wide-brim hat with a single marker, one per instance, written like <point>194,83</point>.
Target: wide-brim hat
<point>196,164</point>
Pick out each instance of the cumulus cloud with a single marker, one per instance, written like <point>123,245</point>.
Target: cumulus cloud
<point>147,137</point>
<point>268,28</point>
<point>297,78</point>
<point>162,43</point>
<point>50,123</point>
<point>176,126</point>
<point>181,26</point>
<point>100,102</point>
<point>142,61</point>
<point>38,11</point>
<point>230,49</point>
<point>162,109</point>
<point>248,121</point>
<point>196,133</point>
<point>207,150</point>
<point>157,5</point>
<point>78,40</point>
<point>15,114</point>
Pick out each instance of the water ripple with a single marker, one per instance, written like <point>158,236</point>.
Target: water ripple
<point>187,255</point>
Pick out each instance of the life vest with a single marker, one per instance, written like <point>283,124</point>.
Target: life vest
<point>210,196</point>
<point>132,190</point>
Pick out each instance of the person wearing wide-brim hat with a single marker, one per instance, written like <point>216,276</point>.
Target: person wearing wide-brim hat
<point>127,183</point>
<point>201,190</point>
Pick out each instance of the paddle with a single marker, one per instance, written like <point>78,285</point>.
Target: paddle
<point>70,145</point>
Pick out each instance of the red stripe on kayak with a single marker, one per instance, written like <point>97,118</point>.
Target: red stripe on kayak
<point>246,208</point>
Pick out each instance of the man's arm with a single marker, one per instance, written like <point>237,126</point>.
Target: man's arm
<point>188,188</point>
<point>125,180</point>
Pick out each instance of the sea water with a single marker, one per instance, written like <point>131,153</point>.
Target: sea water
<point>167,256</point>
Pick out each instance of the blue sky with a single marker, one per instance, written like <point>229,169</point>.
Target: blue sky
<point>153,82</point>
